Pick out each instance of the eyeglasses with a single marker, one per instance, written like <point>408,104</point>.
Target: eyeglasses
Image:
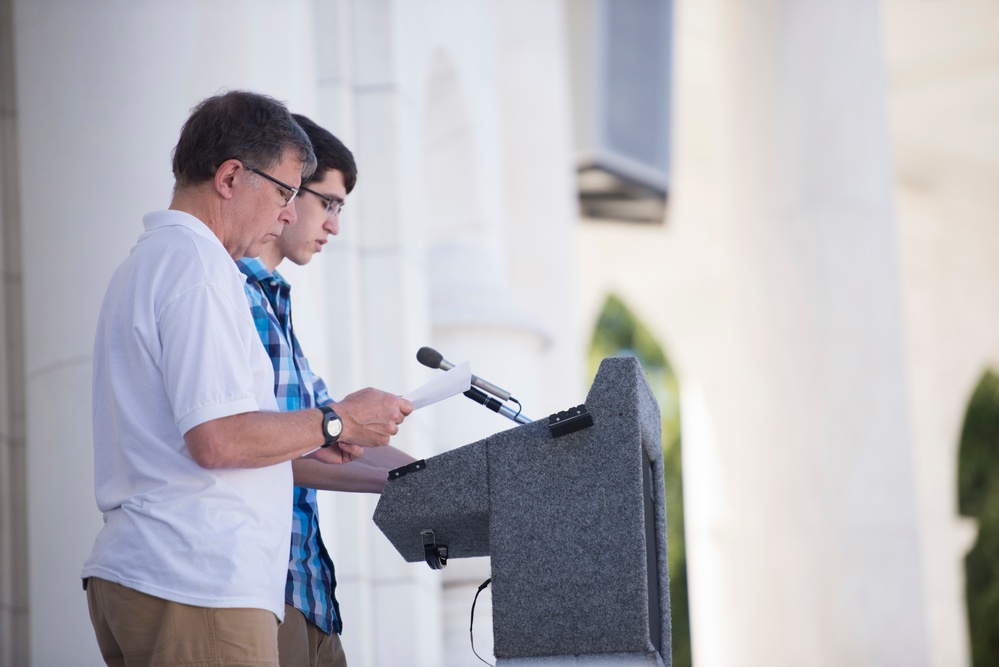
<point>333,205</point>
<point>288,198</point>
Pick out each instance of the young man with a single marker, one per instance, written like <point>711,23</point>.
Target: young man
<point>309,635</point>
<point>191,461</point>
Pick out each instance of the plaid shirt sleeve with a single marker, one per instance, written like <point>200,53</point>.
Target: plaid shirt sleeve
<point>320,394</point>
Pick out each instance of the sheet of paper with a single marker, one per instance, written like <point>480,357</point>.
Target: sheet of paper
<point>446,385</point>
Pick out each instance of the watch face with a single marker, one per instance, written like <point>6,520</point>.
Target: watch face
<point>334,427</point>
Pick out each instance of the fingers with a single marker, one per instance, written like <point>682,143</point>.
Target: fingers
<point>339,453</point>
<point>351,452</point>
<point>371,416</point>
<point>403,408</point>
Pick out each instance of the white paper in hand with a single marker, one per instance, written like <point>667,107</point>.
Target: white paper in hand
<point>455,381</point>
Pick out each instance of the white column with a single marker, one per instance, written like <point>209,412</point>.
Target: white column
<point>802,533</point>
<point>376,320</point>
<point>102,91</point>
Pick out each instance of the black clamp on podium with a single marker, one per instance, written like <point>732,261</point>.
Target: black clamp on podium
<point>415,466</point>
<point>569,421</point>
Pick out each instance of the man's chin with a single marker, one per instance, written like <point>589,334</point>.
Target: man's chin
<point>254,250</point>
<point>257,246</point>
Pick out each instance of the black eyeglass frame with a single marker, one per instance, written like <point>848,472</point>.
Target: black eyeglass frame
<point>294,191</point>
<point>333,205</point>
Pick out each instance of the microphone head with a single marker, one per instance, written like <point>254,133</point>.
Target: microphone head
<point>429,357</point>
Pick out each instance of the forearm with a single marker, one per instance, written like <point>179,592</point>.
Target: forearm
<point>354,477</point>
<point>386,458</point>
<point>255,439</point>
<point>365,475</point>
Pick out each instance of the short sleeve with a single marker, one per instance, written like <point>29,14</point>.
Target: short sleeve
<point>206,357</point>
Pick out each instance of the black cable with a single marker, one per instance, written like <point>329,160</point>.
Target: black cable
<point>471,621</point>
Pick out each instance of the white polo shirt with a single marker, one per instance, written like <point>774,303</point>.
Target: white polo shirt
<point>175,347</point>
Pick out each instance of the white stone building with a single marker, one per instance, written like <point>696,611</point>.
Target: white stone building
<point>825,282</point>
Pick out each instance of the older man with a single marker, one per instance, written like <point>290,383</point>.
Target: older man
<point>192,461</point>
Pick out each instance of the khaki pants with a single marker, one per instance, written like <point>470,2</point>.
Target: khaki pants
<point>138,630</point>
<point>302,644</point>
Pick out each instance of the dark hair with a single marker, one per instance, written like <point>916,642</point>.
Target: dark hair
<point>330,153</point>
<point>241,125</point>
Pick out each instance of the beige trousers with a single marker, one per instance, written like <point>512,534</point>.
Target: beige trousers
<point>138,630</point>
<point>302,644</point>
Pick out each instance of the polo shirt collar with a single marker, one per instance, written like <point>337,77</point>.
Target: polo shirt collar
<point>171,218</point>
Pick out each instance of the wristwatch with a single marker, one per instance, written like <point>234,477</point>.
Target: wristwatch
<point>332,425</point>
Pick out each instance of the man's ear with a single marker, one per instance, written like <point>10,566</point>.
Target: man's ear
<point>225,177</point>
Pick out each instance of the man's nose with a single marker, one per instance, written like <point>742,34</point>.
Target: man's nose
<point>288,214</point>
<point>333,224</point>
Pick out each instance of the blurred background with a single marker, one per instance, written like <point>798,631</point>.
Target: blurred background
<point>788,210</point>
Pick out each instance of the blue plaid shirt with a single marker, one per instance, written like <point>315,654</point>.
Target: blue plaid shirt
<point>311,581</point>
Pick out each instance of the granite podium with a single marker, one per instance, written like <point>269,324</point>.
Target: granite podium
<point>574,524</point>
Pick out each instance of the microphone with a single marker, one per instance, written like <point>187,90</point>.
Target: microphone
<point>431,358</point>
